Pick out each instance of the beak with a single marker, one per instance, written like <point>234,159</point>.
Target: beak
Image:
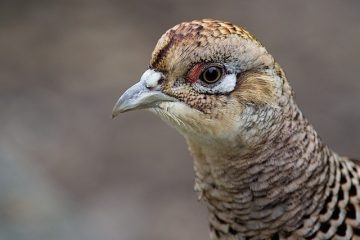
<point>139,97</point>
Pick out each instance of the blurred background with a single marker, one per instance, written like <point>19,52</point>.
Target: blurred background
<point>67,171</point>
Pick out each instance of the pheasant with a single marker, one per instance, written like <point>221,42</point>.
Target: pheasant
<point>260,167</point>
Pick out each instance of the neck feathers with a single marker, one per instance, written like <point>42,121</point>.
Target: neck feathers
<point>280,179</point>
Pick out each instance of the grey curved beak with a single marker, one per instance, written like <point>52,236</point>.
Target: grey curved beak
<point>139,97</point>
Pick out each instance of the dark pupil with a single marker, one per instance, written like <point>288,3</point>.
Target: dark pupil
<point>211,74</point>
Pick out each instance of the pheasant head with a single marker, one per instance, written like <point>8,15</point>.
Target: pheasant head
<point>210,80</point>
<point>259,165</point>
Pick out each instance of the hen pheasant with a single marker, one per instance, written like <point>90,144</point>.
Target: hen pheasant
<point>260,167</point>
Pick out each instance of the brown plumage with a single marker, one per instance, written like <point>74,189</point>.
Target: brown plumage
<point>260,167</point>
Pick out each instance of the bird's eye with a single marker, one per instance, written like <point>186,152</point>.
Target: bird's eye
<point>211,74</point>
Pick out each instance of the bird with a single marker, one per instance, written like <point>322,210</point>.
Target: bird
<point>261,169</point>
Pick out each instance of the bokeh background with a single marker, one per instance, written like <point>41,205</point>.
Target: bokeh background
<point>68,171</point>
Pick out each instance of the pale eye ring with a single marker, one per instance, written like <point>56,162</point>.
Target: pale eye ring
<point>211,74</point>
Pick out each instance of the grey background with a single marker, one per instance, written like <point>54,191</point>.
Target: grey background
<point>67,171</point>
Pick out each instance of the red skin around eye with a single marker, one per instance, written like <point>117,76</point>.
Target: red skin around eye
<point>194,73</point>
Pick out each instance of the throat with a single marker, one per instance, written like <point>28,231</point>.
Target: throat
<point>263,189</point>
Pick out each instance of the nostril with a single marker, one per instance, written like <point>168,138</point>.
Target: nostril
<point>155,85</point>
<point>161,80</point>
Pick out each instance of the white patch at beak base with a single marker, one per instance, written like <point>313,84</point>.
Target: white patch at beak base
<point>151,78</point>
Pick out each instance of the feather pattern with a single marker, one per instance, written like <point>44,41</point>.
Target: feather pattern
<point>260,166</point>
